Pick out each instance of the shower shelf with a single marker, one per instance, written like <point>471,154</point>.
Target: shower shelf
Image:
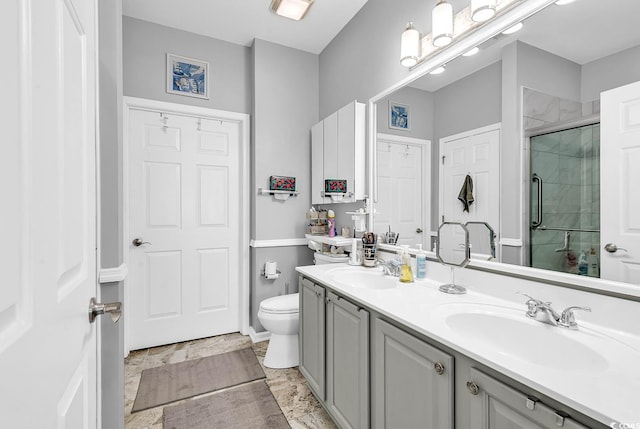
<point>550,228</point>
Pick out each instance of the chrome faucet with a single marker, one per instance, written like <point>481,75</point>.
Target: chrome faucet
<point>391,267</point>
<point>544,313</point>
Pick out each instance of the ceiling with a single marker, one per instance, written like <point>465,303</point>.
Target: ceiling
<point>240,21</point>
<point>583,31</point>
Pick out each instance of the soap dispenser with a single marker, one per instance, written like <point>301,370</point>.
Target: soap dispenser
<point>421,263</point>
<point>406,275</point>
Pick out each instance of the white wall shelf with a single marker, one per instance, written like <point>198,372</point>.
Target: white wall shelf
<point>333,241</point>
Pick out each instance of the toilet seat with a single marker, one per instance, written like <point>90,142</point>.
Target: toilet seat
<point>283,304</point>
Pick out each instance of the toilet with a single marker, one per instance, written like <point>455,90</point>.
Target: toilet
<point>279,315</point>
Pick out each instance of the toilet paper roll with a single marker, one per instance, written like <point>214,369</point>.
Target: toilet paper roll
<point>272,276</point>
<point>270,268</point>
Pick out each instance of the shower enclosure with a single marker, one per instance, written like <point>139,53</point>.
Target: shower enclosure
<point>565,200</point>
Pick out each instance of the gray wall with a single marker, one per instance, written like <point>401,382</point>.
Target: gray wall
<point>421,113</point>
<point>364,58</point>
<point>285,106</point>
<point>610,72</point>
<point>145,48</point>
<point>110,170</point>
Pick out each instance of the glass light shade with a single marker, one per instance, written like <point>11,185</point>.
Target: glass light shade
<point>442,24</point>
<point>410,46</point>
<point>514,28</point>
<point>471,52</point>
<point>482,10</point>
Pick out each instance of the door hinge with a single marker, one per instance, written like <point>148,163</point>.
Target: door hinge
<point>442,218</point>
<point>443,157</point>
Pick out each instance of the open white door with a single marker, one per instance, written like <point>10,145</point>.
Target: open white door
<point>619,179</point>
<point>47,174</point>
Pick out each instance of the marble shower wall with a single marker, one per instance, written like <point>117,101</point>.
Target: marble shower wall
<point>569,164</point>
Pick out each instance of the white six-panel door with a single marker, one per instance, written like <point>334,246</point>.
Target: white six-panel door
<point>476,153</point>
<point>403,189</point>
<point>48,217</point>
<point>184,199</point>
<point>619,179</point>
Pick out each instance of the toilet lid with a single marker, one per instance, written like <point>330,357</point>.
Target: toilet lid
<point>280,304</point>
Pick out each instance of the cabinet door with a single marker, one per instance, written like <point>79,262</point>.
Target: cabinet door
<point>412,381</point>
<point>347,363</point>
<point>330,147</point>
<point>351,149</point>
<point>312,335</point>
<point>498,406</point>
<point>317,163</point>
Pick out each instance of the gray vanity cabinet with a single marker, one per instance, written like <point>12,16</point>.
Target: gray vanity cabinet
<point>347,362</point>
<point>495,405</point>
<point>312,335</point>
<point>412,382</point>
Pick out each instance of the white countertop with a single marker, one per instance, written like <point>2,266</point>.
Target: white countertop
<point>606,388</point>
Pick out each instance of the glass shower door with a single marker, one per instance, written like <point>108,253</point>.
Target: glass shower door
<point>565,201</point>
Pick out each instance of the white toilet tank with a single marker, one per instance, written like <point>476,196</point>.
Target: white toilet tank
<point>321,259</point>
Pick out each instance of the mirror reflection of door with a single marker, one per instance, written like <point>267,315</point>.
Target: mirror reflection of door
<point>404,196</point>
<point>475,153</point>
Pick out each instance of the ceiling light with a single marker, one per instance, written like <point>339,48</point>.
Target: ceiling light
<point>482,10</point>
<point>563,2</point>
<point>513,29</point>
<point>410,46</point>
<point>292,9</point>
<point>442,23</point>
<point>438,70</point>
<point>471,52</point>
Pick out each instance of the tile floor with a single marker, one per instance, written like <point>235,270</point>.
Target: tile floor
<point>288,386</point>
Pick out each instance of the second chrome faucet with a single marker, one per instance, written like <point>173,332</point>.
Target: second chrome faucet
<point>544,313</point>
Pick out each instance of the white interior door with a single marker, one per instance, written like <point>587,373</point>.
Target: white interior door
<point>184,199</point>
<point>47,175</point>
<point>619,177</point>
<point>403,189</point>
<point>475,153</point>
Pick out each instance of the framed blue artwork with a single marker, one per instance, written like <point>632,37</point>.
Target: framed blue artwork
<point>187,76</point>
<point>398,116</point>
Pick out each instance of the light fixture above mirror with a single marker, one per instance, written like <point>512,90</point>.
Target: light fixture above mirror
<point>447,27</point>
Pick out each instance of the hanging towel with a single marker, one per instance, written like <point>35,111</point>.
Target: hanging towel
<point>466,193</point>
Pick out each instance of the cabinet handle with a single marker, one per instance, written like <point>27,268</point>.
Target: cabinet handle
<point>473,387</point>
<point>439,368</point>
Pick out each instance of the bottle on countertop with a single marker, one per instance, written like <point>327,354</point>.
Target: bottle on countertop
<point>406,274</point>
<point>583,266</point>
<point>332,223</point>
<point>421,263</point>
<point>593,269</point>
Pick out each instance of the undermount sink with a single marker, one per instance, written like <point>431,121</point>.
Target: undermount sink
<point>516,336</point>
<point>368,278</point>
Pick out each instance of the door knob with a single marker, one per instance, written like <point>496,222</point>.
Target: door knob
<point>612,248</point>
<point>96,309</point>
<point>418,230</point>
<point>138,242</point>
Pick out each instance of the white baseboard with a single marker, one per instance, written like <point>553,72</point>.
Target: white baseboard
<point>257,337</point>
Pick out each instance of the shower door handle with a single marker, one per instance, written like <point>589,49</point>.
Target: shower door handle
<point>538,220</point>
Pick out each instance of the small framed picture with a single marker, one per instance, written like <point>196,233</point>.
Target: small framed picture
<point>398,116</point>
<point>187,76</point>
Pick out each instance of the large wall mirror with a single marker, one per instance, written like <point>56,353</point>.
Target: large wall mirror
<point>516,129</point>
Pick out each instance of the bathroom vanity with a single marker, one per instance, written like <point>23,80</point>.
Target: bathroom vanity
<point>382,354</point>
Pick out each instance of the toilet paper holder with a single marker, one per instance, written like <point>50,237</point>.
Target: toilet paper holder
<point>270,270</point>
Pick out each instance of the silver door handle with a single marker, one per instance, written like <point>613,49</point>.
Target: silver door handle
<point>418,230</point>
<point>138,242</point>
<point>96,309</point>
<point>538,220</point>
<point>612,248</point>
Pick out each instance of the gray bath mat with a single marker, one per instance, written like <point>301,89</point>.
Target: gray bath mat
<point>169,383</point>
<point>248,406</point>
